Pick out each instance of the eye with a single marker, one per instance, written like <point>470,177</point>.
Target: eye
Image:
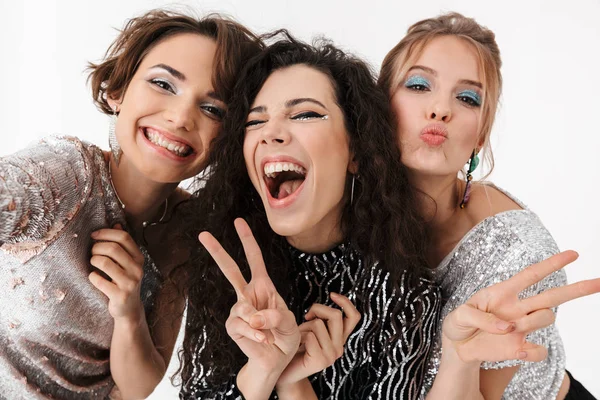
<point>417,83</point>
<point>307,115</point>
<point>213,110</point>
<point>163,84</point>
<point>254,122</point>
<point>470,98</point>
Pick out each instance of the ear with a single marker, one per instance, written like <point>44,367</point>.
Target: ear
<point>353,166</point>
<point>114,104</point>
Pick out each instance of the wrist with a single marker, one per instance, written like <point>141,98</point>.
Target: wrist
<point>256,382</point>
<point>294,390</point>
<point>451,357</point>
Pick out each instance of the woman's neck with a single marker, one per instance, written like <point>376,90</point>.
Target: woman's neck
<point>320,238</point>
<point>144,199</point>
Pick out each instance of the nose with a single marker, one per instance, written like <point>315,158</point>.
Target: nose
<point>440,110</point>
<point>181,113</point>
<point>275,133</point>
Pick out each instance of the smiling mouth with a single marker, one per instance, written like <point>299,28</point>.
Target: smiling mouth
<point>283,178</point>
<point>177,148</point>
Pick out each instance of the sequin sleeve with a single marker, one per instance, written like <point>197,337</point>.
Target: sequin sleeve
<point>41,188</point>
<point>530,244</point>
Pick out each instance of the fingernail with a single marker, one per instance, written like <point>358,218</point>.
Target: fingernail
<point>94,234</point>
<point>118,226</point>
<point>260,336</point>
<point>503,325</point>
<point>522,355</point>
<point>257,321</point>
<point>334,295</point>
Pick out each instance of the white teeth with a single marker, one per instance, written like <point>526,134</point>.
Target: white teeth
<point>272,169</point>
<point>159,140</point>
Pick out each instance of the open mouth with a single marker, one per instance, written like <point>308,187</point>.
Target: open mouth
<point>283,178</point>
<point>177,148</point>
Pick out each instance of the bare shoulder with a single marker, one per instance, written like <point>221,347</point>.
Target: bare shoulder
<point>487,201</point>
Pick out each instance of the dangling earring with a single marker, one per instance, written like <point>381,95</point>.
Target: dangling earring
<point>112,137</point>
<point>352,190</point>
<point>473,163</point>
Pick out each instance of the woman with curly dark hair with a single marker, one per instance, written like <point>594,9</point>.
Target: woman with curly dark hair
<point>325,196</point>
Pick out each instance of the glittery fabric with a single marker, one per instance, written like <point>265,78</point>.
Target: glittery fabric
<point>493,251</point>
<point>368,369</point>
<point>55,328</point>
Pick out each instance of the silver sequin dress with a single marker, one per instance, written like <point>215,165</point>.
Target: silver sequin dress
<point>368,369</point>
<point>494,250</point>
<point>55,328</point>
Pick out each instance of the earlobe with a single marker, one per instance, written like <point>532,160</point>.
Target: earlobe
<point>114,104</point>
<point>353,167</point>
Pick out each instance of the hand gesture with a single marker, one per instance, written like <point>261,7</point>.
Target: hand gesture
<point>324,335</point>
<point>259,322</point>
<point>117,255</point>
<point>493,324</point>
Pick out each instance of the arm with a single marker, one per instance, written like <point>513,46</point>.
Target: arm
<point>138,360</point>
<point>495,324</point>
<point>41,189</point>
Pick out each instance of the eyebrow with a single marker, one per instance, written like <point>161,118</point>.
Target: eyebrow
<point>434,73</point>
<point>171,71</point>
<point>289,104</point>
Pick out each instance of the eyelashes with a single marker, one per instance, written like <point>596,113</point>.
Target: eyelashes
<point>304,116</point>
<point>418,83</point>
<point>470,97</point>
<point>163,84</point>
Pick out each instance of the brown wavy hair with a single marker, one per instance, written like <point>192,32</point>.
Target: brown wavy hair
<point>382,222</point>
<point>111,77</point>
<point>405,54</point>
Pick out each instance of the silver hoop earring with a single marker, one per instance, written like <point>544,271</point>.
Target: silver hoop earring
<point>112,138</point>
<point>352,190</point>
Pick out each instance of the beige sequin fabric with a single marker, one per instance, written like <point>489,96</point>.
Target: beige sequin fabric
<point>55,328</point>
<point>493,251</point>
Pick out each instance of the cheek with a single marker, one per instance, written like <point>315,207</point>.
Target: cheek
<point>406,112</point>
<point>249,157</point>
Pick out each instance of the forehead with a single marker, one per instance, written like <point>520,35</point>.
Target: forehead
<point>189,53</point>
<point>451,57</point>
<point>297,81</point>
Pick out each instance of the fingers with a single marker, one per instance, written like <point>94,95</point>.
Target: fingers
<point>534,321</point>
<point>238,328</point>
<point>334,320</point>
<point>122,238</point>
<point>461,323</point>
<point>279,321</point>
<point>352,315</point>
<point>108,288</point>
<point>121,257</point>
<point>324,347</point>
<point>557,296</point>
<point>229,268</point>
<point>251,249</point>
<point>536,272</point>
<point>532,352</point>
<point>110,268</point>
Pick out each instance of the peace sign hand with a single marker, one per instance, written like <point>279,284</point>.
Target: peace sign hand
<point>493,324</point>
<point>260,322</point>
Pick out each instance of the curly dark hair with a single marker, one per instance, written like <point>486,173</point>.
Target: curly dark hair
<point>382,222</point>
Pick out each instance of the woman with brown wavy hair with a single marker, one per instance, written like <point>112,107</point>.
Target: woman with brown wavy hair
<point>498,336</point>
<point>87,236</point>
<point>329,204</point>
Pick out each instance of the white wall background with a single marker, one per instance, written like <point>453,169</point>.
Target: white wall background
<point>546,138</point>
